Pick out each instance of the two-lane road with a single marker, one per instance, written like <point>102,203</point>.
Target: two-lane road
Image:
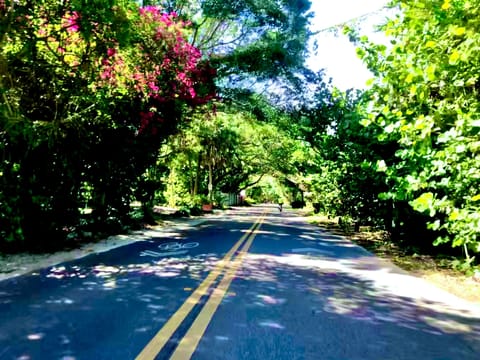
<point>256,284</point>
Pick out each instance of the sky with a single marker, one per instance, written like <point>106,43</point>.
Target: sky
<point>335,53</point>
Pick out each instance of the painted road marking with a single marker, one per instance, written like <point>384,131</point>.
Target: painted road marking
<point>157,254</point>
<point>165,333</point>
<point>173,248</point>
<point>189,342</point>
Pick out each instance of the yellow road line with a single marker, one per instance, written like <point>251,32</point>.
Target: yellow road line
<point>157,343</point>
<point>189,343</point>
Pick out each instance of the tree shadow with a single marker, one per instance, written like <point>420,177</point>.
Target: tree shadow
<point>338,302</point>
<point>109,305</point>
<point>280,307</point>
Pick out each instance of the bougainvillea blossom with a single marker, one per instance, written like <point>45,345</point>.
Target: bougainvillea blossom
<point>160,69</point>
<point>172,69</point>
<point>71,21</point>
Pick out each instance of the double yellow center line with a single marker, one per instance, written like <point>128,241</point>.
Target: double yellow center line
<point>189,342</point>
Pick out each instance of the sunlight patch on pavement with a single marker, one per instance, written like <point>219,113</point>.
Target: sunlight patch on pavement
<point>267,299</point>
<point>386,279</point>
<point>113,277</point>
<point>155,307</point>
<point>64,301</point>
<point>272,324</point>
<point>142,329</point>
<point>104,271</point>
<point>112,284</point>
<point>222,338</point>
<point>341,306</point>
<point>308,237</point>
<point>37,336</point>
<point>448,326</point>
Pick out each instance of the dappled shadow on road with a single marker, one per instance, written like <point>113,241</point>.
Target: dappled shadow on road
<point>282,307</point>
<point>288,301</point>
<point>305,293</point>
<point>125,295</point>
<point>62,312</point>
<point>71,308</point>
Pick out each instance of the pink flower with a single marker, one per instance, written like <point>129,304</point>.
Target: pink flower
<point>72,21</point>
<point>152,11</point>
<point>153,87</point>
<point>111,52</point>
<point>166,63</point>
<point>165,18</point>
<point>106,74</point>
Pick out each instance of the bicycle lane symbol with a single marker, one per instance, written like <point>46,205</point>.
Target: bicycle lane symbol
<point>170,248</point>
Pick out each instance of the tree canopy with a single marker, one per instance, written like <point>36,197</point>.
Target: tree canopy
<point>183,102</point>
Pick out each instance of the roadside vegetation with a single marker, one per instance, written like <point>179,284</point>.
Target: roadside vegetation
<point>433,267</point>
<point>189,103</point>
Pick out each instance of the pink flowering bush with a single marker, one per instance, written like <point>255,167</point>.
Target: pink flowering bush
<point>90,88</point>
<point>170,70</point>
<point>160,67</point>
<point>156,65</point>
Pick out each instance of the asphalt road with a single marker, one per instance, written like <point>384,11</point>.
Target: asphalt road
<point>256,284</point>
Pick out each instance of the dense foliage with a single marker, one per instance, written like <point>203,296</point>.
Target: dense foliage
<point>90,91</point>
<point>426,99</point>
<point>232,151</point>
<point>105,102</point>
<point>404,155</point>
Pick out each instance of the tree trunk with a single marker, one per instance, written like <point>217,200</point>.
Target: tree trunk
<point>210,181</point>
<point>197,174</point>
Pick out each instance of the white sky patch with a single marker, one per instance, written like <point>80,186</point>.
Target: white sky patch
<point>335,53</point>
<point>332,12</point>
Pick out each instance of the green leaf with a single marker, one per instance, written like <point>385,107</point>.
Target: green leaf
<point>460,149</point>
<point>435,225</point>
<point>370,82</point>
<point>454,215</point>
<point>423,202</point>
<point>381,166</point>
<point>454,57</point>
<point>431,72</point>
<point>360,53</point>
<point>365,122</point>
<point>458,31</point>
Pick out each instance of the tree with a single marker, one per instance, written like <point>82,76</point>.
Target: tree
<point>92,89</point>
<point>248,41</point>
<point>426,98</point>
<point>232,150</point>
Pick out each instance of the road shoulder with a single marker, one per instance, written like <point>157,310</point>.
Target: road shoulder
<point>420,266</point>
<point>12,265</point>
